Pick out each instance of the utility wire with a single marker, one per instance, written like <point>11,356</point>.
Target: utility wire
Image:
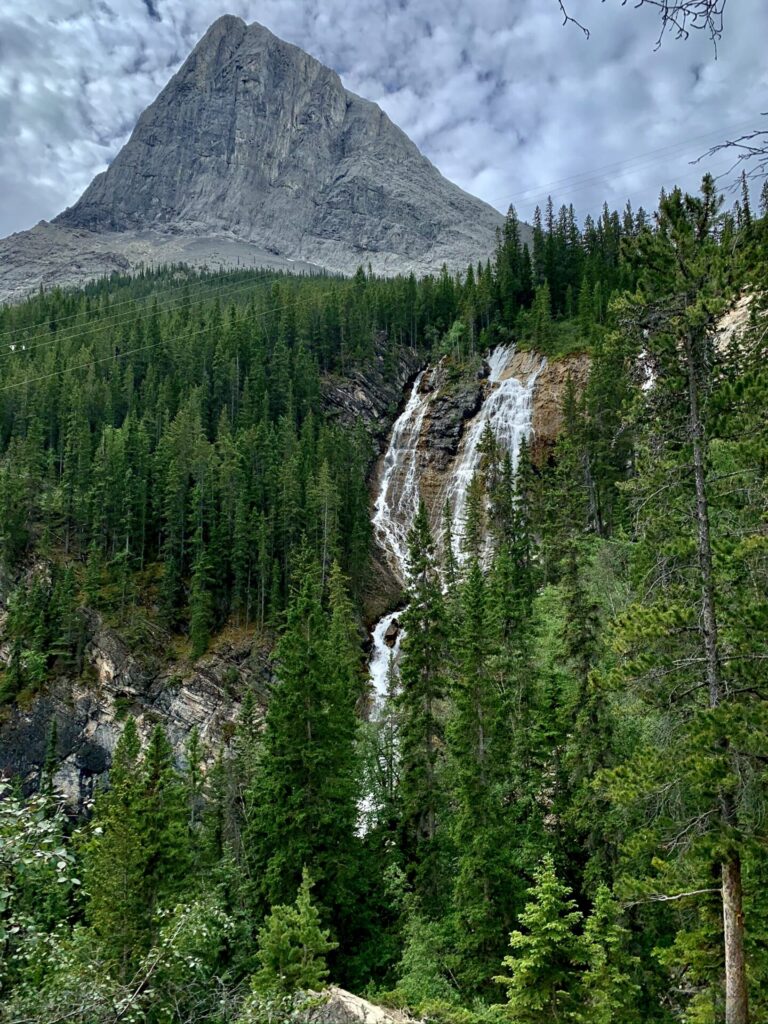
<point>128,316</point>
<point>113,357</point>
<point>573,183</point>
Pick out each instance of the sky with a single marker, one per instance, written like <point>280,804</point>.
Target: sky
<point>507,101</point>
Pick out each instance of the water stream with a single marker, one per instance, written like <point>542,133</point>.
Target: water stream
<point>508,408</point>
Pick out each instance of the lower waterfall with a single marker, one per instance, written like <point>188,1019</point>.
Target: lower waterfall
<point>508,407</point>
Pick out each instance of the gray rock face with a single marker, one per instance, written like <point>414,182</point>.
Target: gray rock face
<point>374,396</point>
<point>89,713</point>
<point>255,151</point>
<point>337,1006</point>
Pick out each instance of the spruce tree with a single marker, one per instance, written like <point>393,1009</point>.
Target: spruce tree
<point>115,859</point>
<point>292,947</point>
<point>301,808</point>
<point>547,958</point>
<point>420,704</point>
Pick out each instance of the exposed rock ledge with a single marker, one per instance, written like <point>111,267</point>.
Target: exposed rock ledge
<point>89,712</point>
<point>342,1007</point>
<point>549,393</point>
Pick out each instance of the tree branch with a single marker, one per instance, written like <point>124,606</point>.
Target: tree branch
<point>567,18</point>
<point>679,16</point>
<point>663,898</point>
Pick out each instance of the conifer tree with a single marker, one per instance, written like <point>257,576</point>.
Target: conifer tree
<point>292,947</point>
<point>485,887</point>
<point>302,805</point>
<point>115,859</point>
<point>674,638</point>
<point>608,986</point>
<point>421,716</point>
<point>547,958</point>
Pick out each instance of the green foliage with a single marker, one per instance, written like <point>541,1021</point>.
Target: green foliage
<point>547,958</point>
<point>293,947</point>
<point>175,459</point>
<point>139,851</point>
<point>301,804</point>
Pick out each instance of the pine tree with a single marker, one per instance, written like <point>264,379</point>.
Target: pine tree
<point>547,959</point>
<point>293,947</point>
<point>302,805</point>
<point>679,641</point>
<point>608,985</point>
<point>421,733</point>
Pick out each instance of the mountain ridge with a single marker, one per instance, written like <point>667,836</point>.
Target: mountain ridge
<point>255,151</point>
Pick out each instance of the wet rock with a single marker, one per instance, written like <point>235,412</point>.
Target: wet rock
<point>448,413</point>
<point>392,633</point>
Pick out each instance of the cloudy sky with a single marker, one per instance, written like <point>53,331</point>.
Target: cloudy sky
<point>507,101</point>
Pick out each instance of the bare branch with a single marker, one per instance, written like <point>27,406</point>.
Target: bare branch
<point>685,16</point>
<point>752,148</point>
<point>567,18</point>
<point>678,16</point>
<point>663,898</point>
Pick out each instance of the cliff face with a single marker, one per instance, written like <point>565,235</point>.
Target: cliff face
<point>436,445</point>
<point>88,713</point>
<point>549,394</point>
<point>255,139</point>
<point>255,152</point>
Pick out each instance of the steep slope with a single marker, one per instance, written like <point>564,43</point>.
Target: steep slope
<point>254,151</point>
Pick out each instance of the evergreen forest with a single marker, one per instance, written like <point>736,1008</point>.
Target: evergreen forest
<point>559,813</point>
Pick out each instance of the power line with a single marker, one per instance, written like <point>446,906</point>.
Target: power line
<point>113,357</point>
<point>170,306</point>
<point>573,183</point>
<point>576,179</point>
<point>202,278</point>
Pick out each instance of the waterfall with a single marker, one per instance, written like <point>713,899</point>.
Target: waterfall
<point>398,499</point>
<point>383,652</point>
<point>507,408</point>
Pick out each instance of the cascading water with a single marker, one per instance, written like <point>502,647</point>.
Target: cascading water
<point>507,408</point>
<point>398,499</point>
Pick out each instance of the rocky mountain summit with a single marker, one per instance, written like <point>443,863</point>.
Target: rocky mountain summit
<point>255,153</point>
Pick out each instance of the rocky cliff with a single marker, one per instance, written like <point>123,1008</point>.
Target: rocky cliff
<point>435,448</point>
<point>549,393</point>
<point>255,152</point>
<point>87,713</point>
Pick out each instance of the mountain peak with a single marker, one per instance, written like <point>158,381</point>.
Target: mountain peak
<point>255,143</point>
<point>256,140</point>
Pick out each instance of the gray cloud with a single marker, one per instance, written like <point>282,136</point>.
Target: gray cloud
<point>505,100</point>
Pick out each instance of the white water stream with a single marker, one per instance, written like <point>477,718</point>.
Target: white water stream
<point>508,408</point>
<point>398,499</point>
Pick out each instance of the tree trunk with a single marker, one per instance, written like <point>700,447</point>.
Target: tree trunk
<point>704,545</point>
<point>736,1001</point>
<point>736,998</point>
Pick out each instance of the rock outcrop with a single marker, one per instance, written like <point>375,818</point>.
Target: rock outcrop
<point>436,445</point>
<point>372,397</point>
<point>255,152</point>
<point>549,394</point>
<point>337,1006</point>
<point>88,713</point>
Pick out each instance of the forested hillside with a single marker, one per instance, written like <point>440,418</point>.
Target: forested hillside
<point>559,812</point>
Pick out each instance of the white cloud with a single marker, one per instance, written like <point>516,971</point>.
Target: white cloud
<point>502,97</point>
